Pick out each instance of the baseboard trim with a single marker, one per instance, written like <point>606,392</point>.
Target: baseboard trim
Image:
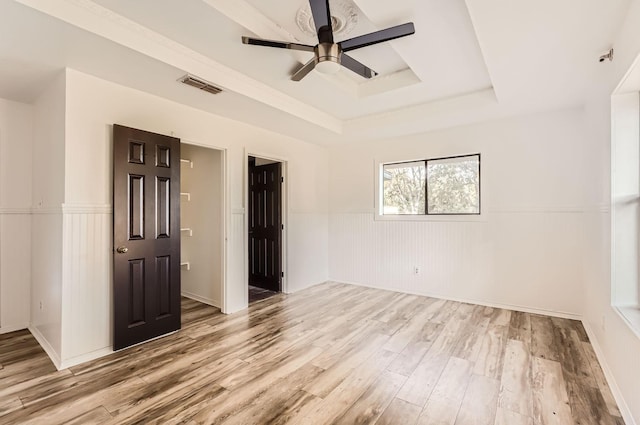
<point>204,300</point>
<point>67,363</point>
<point>46,346</point>
<point>514,307</point>
<point>613,385</point>
<point>293,291</point>
<point>13,328</point>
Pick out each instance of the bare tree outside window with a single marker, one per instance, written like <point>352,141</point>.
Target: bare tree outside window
<point>433,186</point>
<point>404,188</point>
<point>454,185</point>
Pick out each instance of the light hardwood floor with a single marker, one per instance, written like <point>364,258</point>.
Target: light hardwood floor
<point>333,353</point>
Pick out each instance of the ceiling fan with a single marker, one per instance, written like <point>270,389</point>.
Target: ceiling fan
<point>328,55</point>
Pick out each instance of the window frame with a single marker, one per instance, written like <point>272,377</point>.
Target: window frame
<point>379,196</point>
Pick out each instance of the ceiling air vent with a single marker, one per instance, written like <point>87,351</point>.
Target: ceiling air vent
<point>200,84</point>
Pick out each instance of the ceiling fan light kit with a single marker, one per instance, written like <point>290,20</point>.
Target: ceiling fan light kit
<point>329,56</point>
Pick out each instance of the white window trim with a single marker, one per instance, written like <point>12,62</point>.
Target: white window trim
<point>628,308</point>
<point>378,187</point>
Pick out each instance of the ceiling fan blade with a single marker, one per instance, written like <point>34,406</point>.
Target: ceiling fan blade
<point>378,37</point>
<point>322,19</point>
<point>302,72</point>
<point>278,44</point>
<point>357,67</point>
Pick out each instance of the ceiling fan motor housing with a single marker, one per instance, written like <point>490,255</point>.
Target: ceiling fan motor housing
<point>328,58</point>
<point>328,52</point>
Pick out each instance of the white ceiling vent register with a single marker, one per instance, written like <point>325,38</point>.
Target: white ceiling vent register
<point>199,83</point>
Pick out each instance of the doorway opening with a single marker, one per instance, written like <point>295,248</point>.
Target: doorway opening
<point>168,234</point>
<point>201,229</point>
<point>265,227</point>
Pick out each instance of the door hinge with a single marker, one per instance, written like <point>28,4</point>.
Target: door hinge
<point>281,179</point>
<point>281,274</point>
<point>282,226</point>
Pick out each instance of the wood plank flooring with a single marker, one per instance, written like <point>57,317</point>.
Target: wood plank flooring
<point>333,353</point>
<point>257,294</point>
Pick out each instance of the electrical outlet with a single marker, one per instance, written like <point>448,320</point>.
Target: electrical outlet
<point>40,305</point>
<point>416,270</point>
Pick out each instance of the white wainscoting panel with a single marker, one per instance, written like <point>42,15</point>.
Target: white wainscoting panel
<point>524,259</point>
<point>46,279</point>
<point>15,269</point>
<point>306,250</point>
<point>87,270</point>
<point>237,290</point>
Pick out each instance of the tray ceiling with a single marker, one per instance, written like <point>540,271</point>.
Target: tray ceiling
<point>469,60</point>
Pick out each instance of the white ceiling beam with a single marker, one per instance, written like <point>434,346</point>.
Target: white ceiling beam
<point>92,17</point>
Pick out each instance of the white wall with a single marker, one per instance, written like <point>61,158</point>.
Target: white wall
<point>203,214</point>
<point>87,320</point>
<point>16,122</point>
<point>46,221</point>
<point>525,250</point>
<point>618,345</point>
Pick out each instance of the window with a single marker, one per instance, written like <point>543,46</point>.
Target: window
<point>625,203</point>
<point>438,186</point>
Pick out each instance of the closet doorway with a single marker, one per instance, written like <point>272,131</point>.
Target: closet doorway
<point>202,223</point>
<point>265,227</point>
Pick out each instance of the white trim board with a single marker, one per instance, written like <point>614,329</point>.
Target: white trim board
<point>87,208</point>
<point>63,209</point>
<point>630,315</point>
<point>18,210</point>
<point>13,328</point>
<point>613,385</point>
<point>74,361</point>
<point>44,343</point>
<point>204,300</point>
<point>513,307</point>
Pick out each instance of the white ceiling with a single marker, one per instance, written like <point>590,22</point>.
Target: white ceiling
<point>469,60</point>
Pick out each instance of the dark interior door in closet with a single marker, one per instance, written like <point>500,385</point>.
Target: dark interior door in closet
<point>146,235</point>
<point>265,225</point>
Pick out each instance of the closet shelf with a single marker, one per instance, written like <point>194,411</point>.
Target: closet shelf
<point>186,264</point>
<point>187,229</point>
<point>187,161</point>
<point>187,194</point>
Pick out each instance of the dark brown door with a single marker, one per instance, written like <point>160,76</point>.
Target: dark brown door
<point>265,225</point>
<point>146,235</point>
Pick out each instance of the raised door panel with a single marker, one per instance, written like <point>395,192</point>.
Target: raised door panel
<point>146,236</point>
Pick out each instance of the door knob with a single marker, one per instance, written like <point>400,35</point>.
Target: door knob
<point>122,249</point>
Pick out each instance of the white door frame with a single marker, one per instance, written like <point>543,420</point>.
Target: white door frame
<point>285,217</point>
<point>224,208</point>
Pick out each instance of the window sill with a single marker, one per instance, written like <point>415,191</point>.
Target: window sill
<point>631,315</point>
<point>462,218</point>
